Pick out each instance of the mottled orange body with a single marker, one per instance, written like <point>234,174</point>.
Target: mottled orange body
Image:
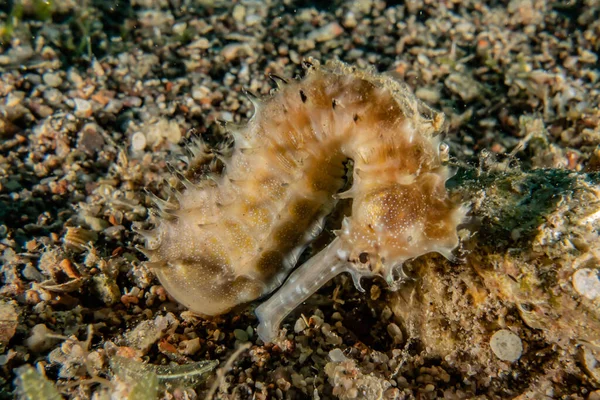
<point>238,237</point>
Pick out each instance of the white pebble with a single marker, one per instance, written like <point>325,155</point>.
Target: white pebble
<point>253,19</point>
<point>227,116</point>
<point>200,93</point>
<point>506,345</point>
<point>337,355</point>
<point>83,108</point>
<point>138,141</point>
<point>587,283</point>
<point>300,325</point>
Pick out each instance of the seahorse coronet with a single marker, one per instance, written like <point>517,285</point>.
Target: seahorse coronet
<point>235,235</point>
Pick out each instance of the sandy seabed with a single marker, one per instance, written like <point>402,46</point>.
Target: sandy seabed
<point>96,97</point>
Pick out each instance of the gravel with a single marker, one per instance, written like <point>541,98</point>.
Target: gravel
<point>97,97</point>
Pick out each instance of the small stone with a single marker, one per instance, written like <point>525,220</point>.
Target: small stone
<point>190,347</point>
<point>201,43</point>
<point>349,20</point>
<point>300,325</point>
<point>337,355</point>
<point>375,292</point>
<point>253,19</point>
<point>200,93</point>
<point>90,139</point>
<point>327,32</point>
<point>395,333</point>
<point>295,57</point>
<point>235,50</point>
<point>587,283</point>
<point>9,319</point>
<point>132,101</point>
<point>464,86</point>
<point>239,13</point>
<point>96,224</point>
<point>138,141</point>
<point>52,79</point>
<point>53,96</point>
<point>227,116</point>
<point>114,106</point>
<point>428,95</point>
<point>423,59</point>
<point>179,28</point>
<point>15,98</point>
<point>506,345</point>
<point>83,108</point>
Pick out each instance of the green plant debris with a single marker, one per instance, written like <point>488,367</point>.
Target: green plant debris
<point>43,9</point>
<point>166,376</point>
<point>7,29</point>
<point>31,385</point>
<point>146,388</point>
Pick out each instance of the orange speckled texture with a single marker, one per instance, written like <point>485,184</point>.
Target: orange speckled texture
<point>236,238</point>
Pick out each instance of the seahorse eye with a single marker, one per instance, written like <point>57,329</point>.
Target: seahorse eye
<point>363,258</point>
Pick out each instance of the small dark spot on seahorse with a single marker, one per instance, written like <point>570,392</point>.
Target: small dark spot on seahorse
<point>356,118</point>
<point>333,103</point>
<point>303,96</point>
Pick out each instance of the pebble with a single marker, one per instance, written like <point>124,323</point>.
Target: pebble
<point>75,78</point>
<point>114,106</point>
<point>53,96</point>
<point>239,13</point>
<point>179,29</point>
<point>235,50</point>
<point>52,79</point>
<point>15,98</point>
<point>190,347</point>
<point>96,224</point>
<point>587,283</point>
<point>327,32</point>
<point>253,19</point>
<point>300,325</point>
<point>200,93</point>
<point>90,139</point>
<point>337,355</point>
<point>506,345</point>
<point>349,20</point>
<point>138,141</point>
<point>132,101</point>
<point>428,95</point>
<point>395,333</point>
<point>83,108</point>
<point>464,86</point>
<point>9,320</point>
<point>201,43</point>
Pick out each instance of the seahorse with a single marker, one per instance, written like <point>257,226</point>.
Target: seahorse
<point>235,237</point>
